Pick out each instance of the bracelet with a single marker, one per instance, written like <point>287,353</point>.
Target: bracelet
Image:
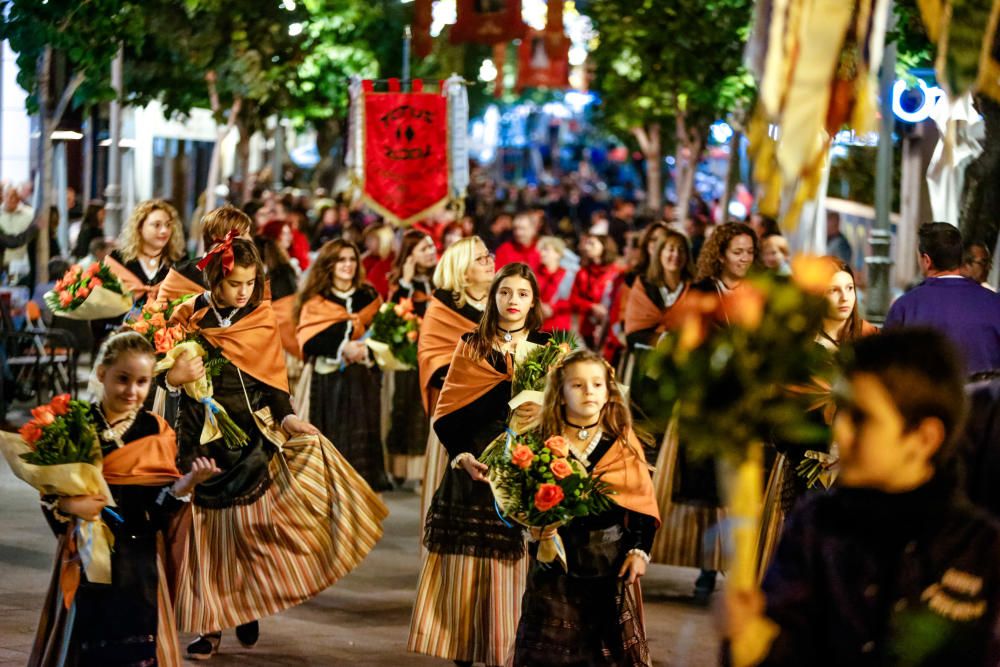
<point>457,462</point>
<point>640,553</point>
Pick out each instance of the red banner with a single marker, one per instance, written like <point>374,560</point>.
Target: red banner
<point>487,22</point>
<point>536,68</point>
<point>406,153</point>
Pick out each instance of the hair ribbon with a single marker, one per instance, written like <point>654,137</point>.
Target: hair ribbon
<point>223,248</point>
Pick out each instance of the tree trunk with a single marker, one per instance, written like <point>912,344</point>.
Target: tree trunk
<point>44,168</point>
<point>732,172</point>
<point>981,196</point>
<point>214,162</point>
<point>689,147</point>
<point>652,148</point>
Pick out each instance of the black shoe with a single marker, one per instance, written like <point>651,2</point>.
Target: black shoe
<point>704,586</point>
<point>248,634</point>
<point>205,646</point>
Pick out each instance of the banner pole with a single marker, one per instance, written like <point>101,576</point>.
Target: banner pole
<point>407,37</point>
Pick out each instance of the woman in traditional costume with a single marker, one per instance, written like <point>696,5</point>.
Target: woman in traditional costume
<point>645,251</point>
<point>686,488</point>
<point>402,405</point>
<point>286,518</point>
<point>462,280</point>
<point>129,621</point>
<point>469,593</point>
<point>591,612</point>
<point>341,387</point>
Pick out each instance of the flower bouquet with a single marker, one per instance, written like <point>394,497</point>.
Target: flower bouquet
<point>532,363</point>
<point>58,453</point>
<point>93,293</point>
<point>172,341</point>
<point>539,483</point>
<point>392,336</point>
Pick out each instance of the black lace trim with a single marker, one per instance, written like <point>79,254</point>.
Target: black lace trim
<point>471,531</point>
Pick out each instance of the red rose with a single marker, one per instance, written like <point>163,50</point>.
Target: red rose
<point>547,497</point>
<point>522,456</point>
<point>95,282</point>
<point>65,298</point>
<point>43,414</point>
<point>30,433</point>
<point>557,445</point>
<point>561,468</point>
<point>60,404</point>
<point>83,292</point>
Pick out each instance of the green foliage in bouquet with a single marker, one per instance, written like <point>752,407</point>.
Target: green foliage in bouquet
<point>531,372</point>
<point>397,326</point>
<point>735,369</point>
<point>61,432</point>
<point>538,483</point>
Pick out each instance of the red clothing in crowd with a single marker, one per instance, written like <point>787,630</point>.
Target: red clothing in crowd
<point>512,251</point>
<point>377,271</point>
<point>548,289</point>
<point>300,249</point>
<point>594,284</point>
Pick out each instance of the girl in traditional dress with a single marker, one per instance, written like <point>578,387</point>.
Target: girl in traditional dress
<point>462,280</point>
<point>285,518</point>
<point>129,621</point>
<point>591,612</point>
<point>554,283</point>
<point>341,382</point>
<point>469,593</point>
<point>407,436</point>
<point>646,252</point>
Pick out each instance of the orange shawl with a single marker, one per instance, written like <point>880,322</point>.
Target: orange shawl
<point>440,332</point>
<point>176,285</point>
<point>148,461</point>
<point>284,311</point>
<point>624,469</point>
<point>252,343</point>
<point>129,280</point>
<point>643,314</point>
<point>319,313</point>
<point>468,380</point>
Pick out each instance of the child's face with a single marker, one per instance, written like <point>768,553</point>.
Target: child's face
<point>876,450</point>
<point>585,390</point>
<point>237,287</point>
<point>514,301</point>
<point>126,382</point>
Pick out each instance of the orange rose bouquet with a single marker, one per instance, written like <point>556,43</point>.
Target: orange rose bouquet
<point>392,336</point>
<point>93,293</point>
<point>538,483</point>
<point>58,453</point>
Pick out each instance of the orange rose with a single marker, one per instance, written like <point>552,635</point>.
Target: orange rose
<point>522,456</point>
<point>163,341</point>
<point>65,298</point>
<point>406,304</point>
<point>409,317</point>
<point>157,321</point>
<point>43,414</point>
<point>813,273</point>
<point>141,326</point>
<point>92,270</point>
<point>557,445</point>
<point>561,468</point>
<point>177,332</point>
<point>152,307</point>
<point>95,282</point>
<point>83,292</point>
<point>75,271</point>
<point>745,307</point>
<point>412,335</point>
<point>60,404</point>
<point>30,433</point>
<point>548,496</point>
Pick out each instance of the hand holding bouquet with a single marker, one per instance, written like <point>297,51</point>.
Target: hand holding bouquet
<point>58,453</point>
<point>392,336</point>
<point>539,484</point>
<point>93,293</point>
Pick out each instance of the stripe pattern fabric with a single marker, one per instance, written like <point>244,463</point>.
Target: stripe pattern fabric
<point>316,522</point>
<point>467,608</point>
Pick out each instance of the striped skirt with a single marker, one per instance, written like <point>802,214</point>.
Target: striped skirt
<point>435,464</point>
<point>690,535</point>
<point>314,524</point>
<point>467,608</point>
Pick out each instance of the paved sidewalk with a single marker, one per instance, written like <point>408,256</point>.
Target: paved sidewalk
<point>360,621</point>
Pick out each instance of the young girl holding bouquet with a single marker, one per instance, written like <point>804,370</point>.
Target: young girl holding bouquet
<point>590,613</point>
<point>129,621</point>
<point>268,532</point>
<point>468,596</point>
<point>341,383</point>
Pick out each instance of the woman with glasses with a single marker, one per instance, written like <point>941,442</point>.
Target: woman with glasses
<point>462,280</point>
<point>341,388</point>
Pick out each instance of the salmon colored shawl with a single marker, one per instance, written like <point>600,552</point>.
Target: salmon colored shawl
<point>284,311</point>
<point>623,467</point>
<point>468,380</point>
<point>440,332</point>
<point>319,313</point>
<point>129,280</point>
<point>147,461</point>
<point>176,285</point>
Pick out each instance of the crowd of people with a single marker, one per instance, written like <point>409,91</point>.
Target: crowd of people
<point>212,539</point>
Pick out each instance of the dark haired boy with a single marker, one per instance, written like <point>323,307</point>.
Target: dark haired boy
<point>893,566</point>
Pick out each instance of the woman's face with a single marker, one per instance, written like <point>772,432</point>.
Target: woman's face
<point>345,266</point>
<point>771,256</point>
<point>126,382</point>
<point>738,257</point>
<point>585,391</point>
<point>672,257</point>
<point>514,301</point>
<point>481,271</point>
<point>285,239</point>
<point>591,248</point>
<point>841,297</point>
<point>155,231</point>
<point>550,256</point>
<point>237,287</point>
<point>425,254</point>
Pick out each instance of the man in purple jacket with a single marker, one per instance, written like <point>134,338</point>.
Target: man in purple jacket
<point>967,313</point>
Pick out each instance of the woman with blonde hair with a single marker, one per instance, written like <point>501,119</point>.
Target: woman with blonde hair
<point>462,280</point>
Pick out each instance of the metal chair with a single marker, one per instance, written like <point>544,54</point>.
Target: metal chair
<point>42,361</point>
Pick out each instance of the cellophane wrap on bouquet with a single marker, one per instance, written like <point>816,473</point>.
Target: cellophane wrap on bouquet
<point>532,364</point>
<point>734,372</point>
<point>540,483</point>
<point>93,293</point>
<point>57,453</point>
<point>392,336</point>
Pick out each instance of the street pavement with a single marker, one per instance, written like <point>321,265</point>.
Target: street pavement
<point>360,621</point>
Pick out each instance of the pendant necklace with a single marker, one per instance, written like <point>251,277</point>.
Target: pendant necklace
<point>114,433</point>
<point>508,333</point>
<point>583,431</point>
<point>224,322</point>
